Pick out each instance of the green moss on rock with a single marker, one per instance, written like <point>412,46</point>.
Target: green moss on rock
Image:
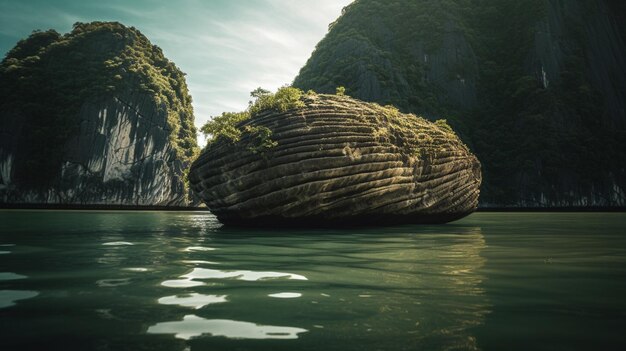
<point>337,160</point>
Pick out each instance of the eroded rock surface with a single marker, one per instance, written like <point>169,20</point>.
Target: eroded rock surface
<point>339,161</point>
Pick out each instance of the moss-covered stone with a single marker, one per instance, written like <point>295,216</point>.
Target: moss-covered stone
<point>337,160</point>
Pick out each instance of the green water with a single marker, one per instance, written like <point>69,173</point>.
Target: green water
<point>177,281</point>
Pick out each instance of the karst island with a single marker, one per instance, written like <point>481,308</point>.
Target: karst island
<point>327,175</point>
<point>297,158</point>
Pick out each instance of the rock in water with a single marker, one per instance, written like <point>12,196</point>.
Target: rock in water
<point>97,116</point>
<point>338,161</point>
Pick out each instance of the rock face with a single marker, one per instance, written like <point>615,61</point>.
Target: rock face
<point>120,156</point>
<point>98,117</point>
<point>537,88</point>
<point>339,161</point>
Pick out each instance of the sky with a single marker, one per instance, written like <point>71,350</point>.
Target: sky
<point>227,47</point>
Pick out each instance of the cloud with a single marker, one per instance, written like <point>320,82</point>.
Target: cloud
<point>227,48</point>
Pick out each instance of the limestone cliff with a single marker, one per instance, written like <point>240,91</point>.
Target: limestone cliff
<point>337,160</point>
<point>537,88</point>
<point>97,116</point>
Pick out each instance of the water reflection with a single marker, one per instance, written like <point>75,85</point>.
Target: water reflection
<point>205,273</point>
<point>109,283</point>
<point>181,283</point>
<point>199,262</point>
<point>436,285</point>
<point>135,269</point>
<point>115,249</point>
<point>405,288</point>
<point>2,252</point>
<point>189,279</point>
<point>193,326</point>
<point>118,243</point>
<point>11,276</point>
<point>8,298</point>
<point>198,248</point>
<point>194,300</point>
<point>285,295</point>
<point>419,289</point>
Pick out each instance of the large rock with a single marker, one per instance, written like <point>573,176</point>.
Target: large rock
<point>339,161</point>
<point>97,116</point>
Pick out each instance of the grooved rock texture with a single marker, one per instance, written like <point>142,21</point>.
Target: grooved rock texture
<point>339,161</point>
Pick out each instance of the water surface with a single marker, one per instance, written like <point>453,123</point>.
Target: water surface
<point>179,281</point>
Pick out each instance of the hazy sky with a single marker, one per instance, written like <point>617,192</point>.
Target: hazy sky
<point>226,47</point>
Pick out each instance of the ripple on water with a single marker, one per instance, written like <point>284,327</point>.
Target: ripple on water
<point>135,269</point>
<point>205,273</point>
<point>199,262</point>
<point>285,295</point>
<point>181,283</point>
<point>198,248</point>
<point>108,283</point>
<point>194,300</point>
<point>9,297</point>
<point>118,243</point>
<point>11,276</point>
<point>193,326</point>
<point>189,280</point>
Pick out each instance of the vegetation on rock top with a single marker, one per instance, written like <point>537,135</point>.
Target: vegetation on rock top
<point>229,125</point>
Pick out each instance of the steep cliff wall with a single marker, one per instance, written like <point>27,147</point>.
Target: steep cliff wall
<point>121,155</point>
<point>537,88</point>
<point>97,116</point>
<point>411,54</point>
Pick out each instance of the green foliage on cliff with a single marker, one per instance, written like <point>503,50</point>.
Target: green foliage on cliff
<point>261,138</point>
<point>374,43</point>
<point>284,99</point>
<point>534,136</point>
<point>229,125</point>
<point>47,77</point>
<point>224,126</point>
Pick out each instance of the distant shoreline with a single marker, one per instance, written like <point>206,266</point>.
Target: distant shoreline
<point>72,207</point>
<point>552,209</point>
<point>204,209</point>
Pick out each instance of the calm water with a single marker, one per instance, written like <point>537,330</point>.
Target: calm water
<point>177,281</point>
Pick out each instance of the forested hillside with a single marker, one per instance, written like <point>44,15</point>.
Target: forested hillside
<point>97,115</point>
<point>537,88</point>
